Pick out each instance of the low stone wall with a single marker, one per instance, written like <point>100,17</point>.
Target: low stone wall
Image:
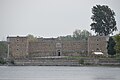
<point>65,61</point>
<point>48,62</point>
<point>93,61</point>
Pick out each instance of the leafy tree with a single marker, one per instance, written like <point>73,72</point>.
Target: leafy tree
<point>110,47</point>
<point>3,52</point>
<point>85,34</point>
<point>103,20</point>
<point>77,35</point>
<point>3,49</point>
<point>31,38</point>
<point>68,37</point>
<point>81,35</point>
<point>117,40</point>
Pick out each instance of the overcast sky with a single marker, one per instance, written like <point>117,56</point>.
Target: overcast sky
<point>49,18</point>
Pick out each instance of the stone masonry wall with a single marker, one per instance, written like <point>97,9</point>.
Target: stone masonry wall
<point>50,48</point>
<point>18,47</point>
<point>21,48</point>
<point>74,48</point>
<point>97,44</point>
<point>42,48</point>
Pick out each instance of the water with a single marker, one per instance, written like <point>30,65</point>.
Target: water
<point>58,73</point>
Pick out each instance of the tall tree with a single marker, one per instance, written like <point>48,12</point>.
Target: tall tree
<point>117,40</point>
<point>111,46</point>
<point>103,20</point>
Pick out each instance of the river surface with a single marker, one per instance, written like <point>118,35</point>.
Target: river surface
<point>58,73</point>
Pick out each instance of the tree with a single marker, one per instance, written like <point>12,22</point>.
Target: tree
<point>85,34</point>
<point>111,46</point>
<point>3,52</point>
<point>103,20</point>
<point>117,40</point>
<point>77,34</point>
<point>31,38</point>
<point>68,37</point>
<point>81,35</point>
<point>3,49</point>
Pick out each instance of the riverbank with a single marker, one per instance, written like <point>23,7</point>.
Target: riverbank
<point>67,61</point>
<point>64,61</point>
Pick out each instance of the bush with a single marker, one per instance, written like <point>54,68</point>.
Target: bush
<point>117,56</point>
<point>12,62</point>
<point>2,61</point>
<point>81,61</point>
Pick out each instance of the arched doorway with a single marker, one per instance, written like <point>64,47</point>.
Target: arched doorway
<point>58,49</point>
<point>58,52</point>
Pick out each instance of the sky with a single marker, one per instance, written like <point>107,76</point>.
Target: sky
<point>49,18</point>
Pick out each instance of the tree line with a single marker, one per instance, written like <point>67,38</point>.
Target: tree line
<point>77,35</point>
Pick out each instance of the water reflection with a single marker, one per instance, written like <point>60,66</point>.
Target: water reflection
<point>58,73</point>
<point>105,78</point>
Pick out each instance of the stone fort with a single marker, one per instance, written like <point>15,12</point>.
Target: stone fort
<point>21,47</point>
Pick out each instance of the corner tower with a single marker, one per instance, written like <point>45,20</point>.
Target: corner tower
<point>97,44</point>
<point>18,47</point>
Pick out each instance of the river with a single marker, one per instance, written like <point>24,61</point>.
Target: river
<point>58,73</point>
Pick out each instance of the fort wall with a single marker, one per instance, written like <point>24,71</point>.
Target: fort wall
<point>20,47</point>
<point>97,44</point>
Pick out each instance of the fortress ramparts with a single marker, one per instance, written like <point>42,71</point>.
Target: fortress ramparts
<point>21,47</point>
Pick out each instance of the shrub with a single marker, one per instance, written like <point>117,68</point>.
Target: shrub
<point>12,62</point>
<point>2,61</point>
<point>81,61</point>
